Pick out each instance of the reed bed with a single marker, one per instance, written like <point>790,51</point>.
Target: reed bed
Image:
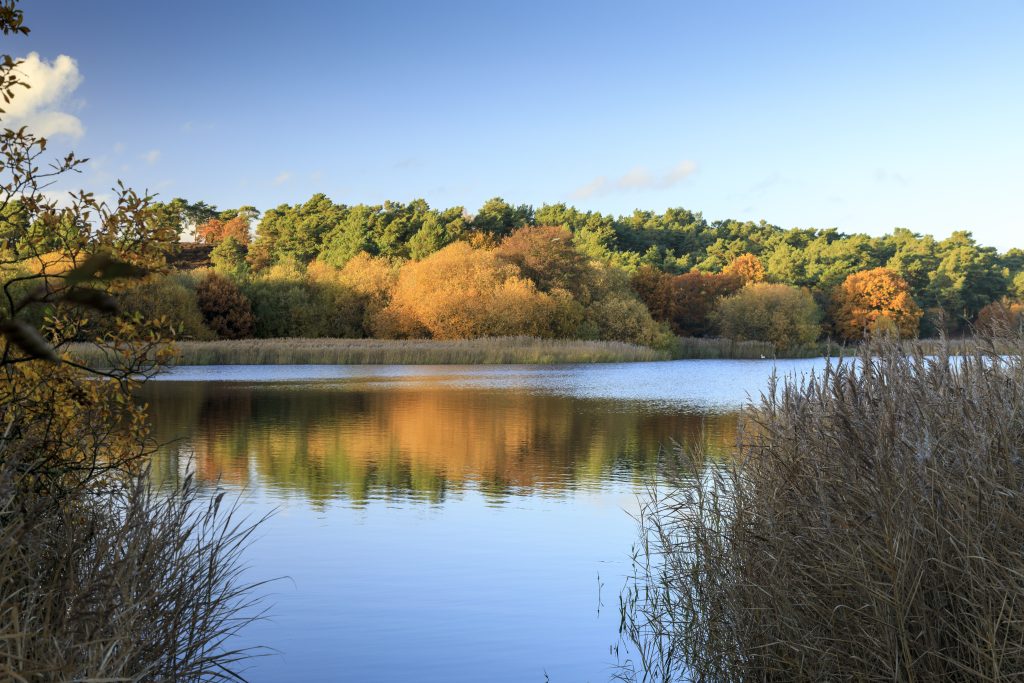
<point>870,527</point>
<point>128,586</point>
<point>493,350</point>
<point>716,347</point>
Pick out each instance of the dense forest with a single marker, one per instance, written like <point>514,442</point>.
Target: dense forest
<point>406,270</point>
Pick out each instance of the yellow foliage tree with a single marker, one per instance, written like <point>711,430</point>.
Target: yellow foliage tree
<point>872,302</point>
<point>460,293</point>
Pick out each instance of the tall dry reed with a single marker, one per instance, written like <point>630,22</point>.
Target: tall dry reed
<point>132,585</point>
<point>870,527</point>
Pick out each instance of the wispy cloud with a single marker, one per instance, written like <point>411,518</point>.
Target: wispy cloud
<point>408,163</point>
<point>639,178</point>
<point>151,157</point>
<point>885,176</point>
<point>282,177</point>
<point>38,107</point>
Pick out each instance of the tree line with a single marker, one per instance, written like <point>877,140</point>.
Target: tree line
<point>397,269</point>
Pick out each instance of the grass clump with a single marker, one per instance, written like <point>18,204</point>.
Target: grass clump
<point>870,527</point>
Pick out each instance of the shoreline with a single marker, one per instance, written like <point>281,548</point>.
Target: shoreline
<point>483,351</point>
<point>480,351</point>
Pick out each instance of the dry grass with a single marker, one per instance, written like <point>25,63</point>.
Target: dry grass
<point>870,528</point>
<point>715,347</point>
<point>127,586</point>
<point>493,350</point>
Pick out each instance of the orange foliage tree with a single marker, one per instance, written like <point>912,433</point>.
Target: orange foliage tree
<point>215,230</point>
<point>1000,317</point>
<point>685,301</point>
<point>874,301</point>
<point>460,292</point>
<point>747,268</point>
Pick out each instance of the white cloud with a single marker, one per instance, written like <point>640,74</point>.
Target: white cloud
<point>638,178</point>
<point>118,147</point>
<point>38,106</point>
<point>282,178</point>
<point>151,157</point>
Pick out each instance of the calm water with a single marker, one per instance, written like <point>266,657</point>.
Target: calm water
<point>443,523</point>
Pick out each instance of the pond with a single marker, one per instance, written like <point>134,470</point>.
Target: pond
<point>443,523</point>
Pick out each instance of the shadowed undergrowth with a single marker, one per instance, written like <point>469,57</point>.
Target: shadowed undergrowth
<point>870,527</point>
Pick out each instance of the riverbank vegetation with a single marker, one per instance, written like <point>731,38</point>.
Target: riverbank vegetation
<point>868,528</point>
<point>408,271</point>
<point>486,350</point>
<point>101,578</point>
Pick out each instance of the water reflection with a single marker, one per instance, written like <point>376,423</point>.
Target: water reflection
<point>443,524</point>
<point>325,440</point>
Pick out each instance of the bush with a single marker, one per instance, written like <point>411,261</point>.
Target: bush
<point>624,318</point>
<point>869,528</point>
<point>782,315</point>
<point>169,296</point>
<point>225,309</point>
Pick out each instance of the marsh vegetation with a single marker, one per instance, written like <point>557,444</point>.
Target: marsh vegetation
<point>869,527</point>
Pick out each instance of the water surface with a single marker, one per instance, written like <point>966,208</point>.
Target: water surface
<point>443,523</point>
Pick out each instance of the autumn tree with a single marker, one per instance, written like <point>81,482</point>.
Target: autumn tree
<point>655,289</point>
<point>340,306</point>
<point>164,296</point>
<point>1000,317</point>
<point>215,230</point>
<point>225,309</point>
<point>747,268</point>
<point>695,296</point>
<point>874,301</point>
<point>373,280</point>
<point>784,315</point>
<point>546,255</point>
<point>460,293</point>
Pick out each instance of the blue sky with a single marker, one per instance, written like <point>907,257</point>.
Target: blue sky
<point>861,116</point>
